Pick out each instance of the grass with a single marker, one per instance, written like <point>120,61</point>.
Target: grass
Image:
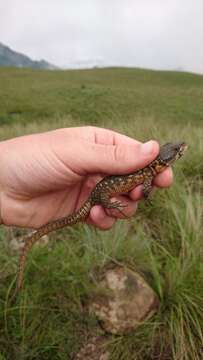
<point>164,241</point>
<point>95,96</point>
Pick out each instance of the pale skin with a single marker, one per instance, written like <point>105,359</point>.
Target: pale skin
<point>47,176</point>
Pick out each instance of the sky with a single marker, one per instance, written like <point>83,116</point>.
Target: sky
<point>157,34</point>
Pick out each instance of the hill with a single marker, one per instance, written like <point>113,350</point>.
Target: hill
<point>98,95</point>
<point>8,58</point>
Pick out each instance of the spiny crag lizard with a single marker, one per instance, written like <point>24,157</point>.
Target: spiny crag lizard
<point>104,190</point>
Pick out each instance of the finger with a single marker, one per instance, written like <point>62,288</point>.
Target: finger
<point>100,219</point>
<point>109,137</point>
<point>119,156</point>
<point>99,135</point>
<point>123,158</point>
<point>108,159</point>
<point>137,193</point>
<point>164,179</point>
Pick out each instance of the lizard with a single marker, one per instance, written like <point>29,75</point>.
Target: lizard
<point>102,193</point>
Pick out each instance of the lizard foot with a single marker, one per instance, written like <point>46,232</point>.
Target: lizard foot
<point>116,205</point>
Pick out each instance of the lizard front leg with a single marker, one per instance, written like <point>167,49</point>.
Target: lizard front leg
<point>147,187</point>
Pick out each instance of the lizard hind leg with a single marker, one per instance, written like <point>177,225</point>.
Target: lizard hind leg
<point>118,205</point>
<point>147,187</point>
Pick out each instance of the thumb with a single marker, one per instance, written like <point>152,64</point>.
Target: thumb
<point>117,159</point>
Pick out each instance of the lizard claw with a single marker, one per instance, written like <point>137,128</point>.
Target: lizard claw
<point>118,205</point>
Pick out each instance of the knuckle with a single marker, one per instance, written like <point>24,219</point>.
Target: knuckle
<point>119,153</point>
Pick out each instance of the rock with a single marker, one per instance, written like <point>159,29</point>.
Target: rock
<point>16,238</point>
<point>16,245</point>
<point>123,301</point>
<point>95,349</point>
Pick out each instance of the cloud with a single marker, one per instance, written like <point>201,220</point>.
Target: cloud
<point>148,33</point>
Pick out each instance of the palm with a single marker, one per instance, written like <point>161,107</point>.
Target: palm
<point>46,199</point>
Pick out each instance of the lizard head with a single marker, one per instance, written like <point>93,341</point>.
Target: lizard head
<point>171,152</point>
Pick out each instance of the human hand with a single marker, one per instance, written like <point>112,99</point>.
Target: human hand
<point>47,176</point>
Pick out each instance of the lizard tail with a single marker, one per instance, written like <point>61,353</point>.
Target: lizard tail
<point>32,238</point>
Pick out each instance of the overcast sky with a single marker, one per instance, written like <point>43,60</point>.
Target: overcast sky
<point>160,34</point>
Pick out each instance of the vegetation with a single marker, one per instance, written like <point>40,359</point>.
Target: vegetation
<point>164,241</point>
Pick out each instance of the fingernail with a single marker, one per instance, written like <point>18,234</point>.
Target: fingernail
<point>147,147</point>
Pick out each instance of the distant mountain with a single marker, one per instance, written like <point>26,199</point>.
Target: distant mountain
<point>8,57</point>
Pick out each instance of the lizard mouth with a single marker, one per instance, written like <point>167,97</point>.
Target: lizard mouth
<point>183,148</point>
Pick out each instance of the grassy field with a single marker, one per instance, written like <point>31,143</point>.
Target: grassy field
<point>164,241</point>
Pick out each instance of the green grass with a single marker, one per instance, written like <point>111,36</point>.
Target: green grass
<point>164,241</point>
<point>95,96</point>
